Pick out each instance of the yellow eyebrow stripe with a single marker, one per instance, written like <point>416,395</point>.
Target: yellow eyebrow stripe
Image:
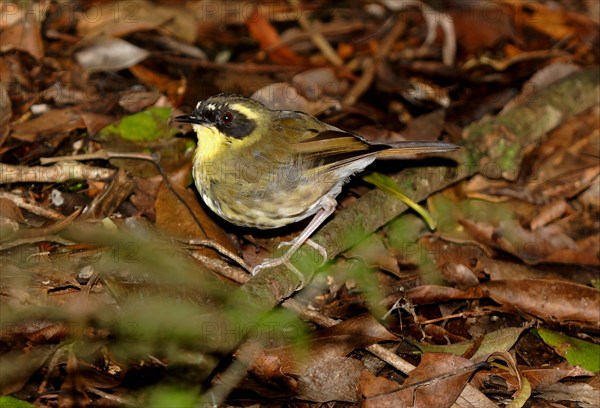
<point>249,113</point>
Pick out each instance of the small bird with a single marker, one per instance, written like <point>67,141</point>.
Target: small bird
<point>262,168</point>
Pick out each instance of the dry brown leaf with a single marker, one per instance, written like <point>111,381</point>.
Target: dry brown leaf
<point>500,270</point>
<point>17,367</point>
<point>538,377</point>
<point>282,365</point>
<point>94,122</point>
<point>459,275</point>
<point>113,195</point>
<point>544,376</point>
<point>117,19</point>
<point>49,123</point>
<point>144,194</point>
<point>421,388</point>
<point>568,183</point>
<point>474,36</point>
<point>546,244</point>
<point>25,36</point>
<point>556,22</point>
<point>9,209</point>
<point>332,379</point>
<point>321,84</point>
<point>442,392</point>
<point>548,299</point>
<point>135,100</point>
<point>426,294</point>
<point>174,218</point>
<point>567,162</point>
<point>174,89</point>
<point>428,126</point>
<point>357,332</point>
<point>586,253</point>
<point>285,96</point>
<point>5,112</point>
<point>591,196</point>
<point>110,54</point>
<point>440,335</point>
<point>265,34</point>
<point>381,390</point>
<point>549,213</point>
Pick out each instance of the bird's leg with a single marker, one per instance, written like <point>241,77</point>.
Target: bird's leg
<point>327,208</point>
<point>314,246</point>
<point>308,242</point>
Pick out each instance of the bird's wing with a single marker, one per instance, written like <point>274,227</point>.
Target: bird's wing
<point>328,148</point>
<point>323,145</point>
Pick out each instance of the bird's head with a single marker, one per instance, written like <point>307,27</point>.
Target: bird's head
<point>231,118</point>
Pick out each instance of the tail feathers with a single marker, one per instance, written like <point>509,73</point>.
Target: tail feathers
<point>408,149</point>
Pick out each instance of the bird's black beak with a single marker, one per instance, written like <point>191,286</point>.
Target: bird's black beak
<point>194,119</point>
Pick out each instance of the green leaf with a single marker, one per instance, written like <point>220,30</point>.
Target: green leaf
<point>499,340</point>
<point>388,185</point>
<point>145,126</point>
<point>14,403</point>
<point>522,395</point>
<point>458,349</point>
<point>575,351</point>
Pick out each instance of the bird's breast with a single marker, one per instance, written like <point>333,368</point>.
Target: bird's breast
<point>260,194</point>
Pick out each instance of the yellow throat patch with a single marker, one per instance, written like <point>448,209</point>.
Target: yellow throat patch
<point>213,144</point>
<point>210,142</point>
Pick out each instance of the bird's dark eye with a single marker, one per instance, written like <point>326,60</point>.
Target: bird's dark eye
<point>226,118</point>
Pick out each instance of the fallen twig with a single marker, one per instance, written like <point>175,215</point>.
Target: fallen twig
<point>59,173</point>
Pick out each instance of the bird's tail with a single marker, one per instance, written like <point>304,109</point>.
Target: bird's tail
<point>407,149</point>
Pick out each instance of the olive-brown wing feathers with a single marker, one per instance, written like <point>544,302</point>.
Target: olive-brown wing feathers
<point>329,148</point>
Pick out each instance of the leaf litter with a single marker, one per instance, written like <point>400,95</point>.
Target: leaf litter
<point>104,301</point>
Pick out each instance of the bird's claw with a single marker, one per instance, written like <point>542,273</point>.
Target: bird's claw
<point>267,264</point>
<point>285,260</point>
<point>320,248</point>
<point>272,263</point>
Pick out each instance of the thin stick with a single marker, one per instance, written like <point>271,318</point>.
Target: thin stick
<point>220,249</point>
<point>59,173</point>
<point>32,206</point>
<point>34,240</point>
<point>98,155</point>
<point>318,38</point>
<point>223,268</point>
<point>363,84</point>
